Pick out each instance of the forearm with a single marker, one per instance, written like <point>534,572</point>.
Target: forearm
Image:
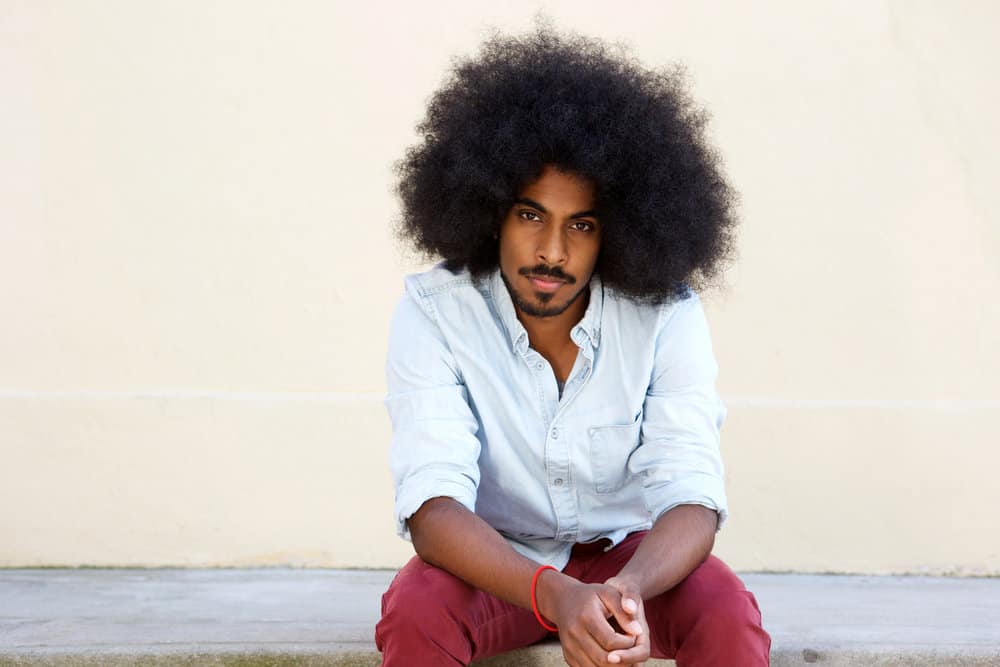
<point>446,534</point>
<point>679,541</point>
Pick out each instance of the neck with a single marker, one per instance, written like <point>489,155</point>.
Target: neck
<point>547,334</point>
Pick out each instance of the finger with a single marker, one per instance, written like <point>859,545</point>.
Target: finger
<point>615,642</point>
<point>614,602</point>
<point>630,656</point>
<point>605,635</point>
<point>580,649</point>
<point>614,658</point>
<point>579,658</point>
<point>595,648</point>
<point>572,659</point>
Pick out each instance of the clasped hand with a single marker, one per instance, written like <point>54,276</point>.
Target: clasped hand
<point>600,624</point>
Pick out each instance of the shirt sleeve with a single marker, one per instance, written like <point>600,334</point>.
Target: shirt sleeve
<point>678,456</point>
<point>435,449</point>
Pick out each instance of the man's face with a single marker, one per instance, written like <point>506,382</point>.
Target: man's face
<point>550,233</point>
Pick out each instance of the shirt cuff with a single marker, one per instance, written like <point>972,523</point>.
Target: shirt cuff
<point>420,488</point>
<point>693,488</point>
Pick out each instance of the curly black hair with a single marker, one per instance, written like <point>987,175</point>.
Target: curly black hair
<point>667,214</point>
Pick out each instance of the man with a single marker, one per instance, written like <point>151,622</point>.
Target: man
<point>551,382</point>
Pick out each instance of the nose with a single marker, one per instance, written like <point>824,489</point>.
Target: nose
<point>552,245</point>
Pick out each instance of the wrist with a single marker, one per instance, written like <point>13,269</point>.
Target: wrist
<point>627,581</point>
<point>551,587</point>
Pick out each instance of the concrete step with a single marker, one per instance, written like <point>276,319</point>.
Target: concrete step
<point>258,617</point>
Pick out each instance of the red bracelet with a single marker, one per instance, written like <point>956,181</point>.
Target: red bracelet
<point>534,598</point>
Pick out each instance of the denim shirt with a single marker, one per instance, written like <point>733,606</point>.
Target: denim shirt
<point>477,415</point>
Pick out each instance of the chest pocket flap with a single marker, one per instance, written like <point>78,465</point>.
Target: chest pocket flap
<point>610,448</point>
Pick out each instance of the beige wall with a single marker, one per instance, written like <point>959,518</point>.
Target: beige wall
<point>196,273</point>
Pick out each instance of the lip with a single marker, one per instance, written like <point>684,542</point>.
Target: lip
<point>546,285</point>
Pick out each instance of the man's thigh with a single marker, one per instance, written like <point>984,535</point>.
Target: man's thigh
<point>427,608</point>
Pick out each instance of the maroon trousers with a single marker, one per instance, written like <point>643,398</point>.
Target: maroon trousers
<point>431,617</point>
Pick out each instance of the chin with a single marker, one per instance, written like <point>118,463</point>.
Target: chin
<point>537,308</point>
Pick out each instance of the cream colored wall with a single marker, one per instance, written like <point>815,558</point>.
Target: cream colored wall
<point>197,273</point>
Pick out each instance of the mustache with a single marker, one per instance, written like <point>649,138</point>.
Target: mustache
<point>544,271</point>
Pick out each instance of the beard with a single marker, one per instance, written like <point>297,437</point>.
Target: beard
<point>543,310</point>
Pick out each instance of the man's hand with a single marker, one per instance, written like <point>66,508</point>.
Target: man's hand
<point>581,612</point>
<point>631,602</point>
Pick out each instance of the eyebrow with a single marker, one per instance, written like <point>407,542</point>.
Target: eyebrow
<point>533,204</point>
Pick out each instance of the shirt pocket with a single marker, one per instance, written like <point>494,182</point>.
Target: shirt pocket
<point>610,448</point>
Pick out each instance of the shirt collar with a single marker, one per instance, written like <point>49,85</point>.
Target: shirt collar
<point>589,325</point>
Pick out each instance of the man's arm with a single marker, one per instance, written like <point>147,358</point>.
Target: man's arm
<point>678,459</point>
<point>446,534</point>
<point>679,542</point>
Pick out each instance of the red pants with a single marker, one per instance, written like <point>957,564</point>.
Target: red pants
<point>431,617</point>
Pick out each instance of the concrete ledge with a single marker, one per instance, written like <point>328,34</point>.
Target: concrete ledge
<point>536,656</point>
<point>253,618</point>
<point>545,655</point>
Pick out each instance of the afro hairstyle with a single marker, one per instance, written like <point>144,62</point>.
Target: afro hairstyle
<point>543,98</point>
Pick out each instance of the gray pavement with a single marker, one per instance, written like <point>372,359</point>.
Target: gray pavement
<point>325,617</point>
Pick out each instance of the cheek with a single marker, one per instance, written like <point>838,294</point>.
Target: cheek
<point>589,253</point>
<point>509,259</point>
<point>506,247</point>
<point>512,244</point>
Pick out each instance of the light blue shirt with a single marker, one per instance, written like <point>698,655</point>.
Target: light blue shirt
<point>477,416</point>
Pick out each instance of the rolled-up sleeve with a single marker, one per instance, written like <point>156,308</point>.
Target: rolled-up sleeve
<point>435,449</point>
<point>678,456</point>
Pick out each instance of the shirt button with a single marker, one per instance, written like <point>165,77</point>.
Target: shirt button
<point>567,536</point>
<point>539,365</point>
<point>555,434</point>
<point>558,481</point>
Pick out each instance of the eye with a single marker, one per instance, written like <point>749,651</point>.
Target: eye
<point>585,226</point>
<point>528,215</point>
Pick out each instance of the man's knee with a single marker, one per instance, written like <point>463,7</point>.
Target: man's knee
<point>723,618</point>
<point>422,606</point>
<point>728,631</point>
<point>710,618</point>
<point>729,611</point>
<point>715,590</point>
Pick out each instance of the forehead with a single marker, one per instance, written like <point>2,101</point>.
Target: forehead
<point>560,189</point>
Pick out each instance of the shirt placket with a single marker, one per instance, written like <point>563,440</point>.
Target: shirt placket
<point>558,440</point>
